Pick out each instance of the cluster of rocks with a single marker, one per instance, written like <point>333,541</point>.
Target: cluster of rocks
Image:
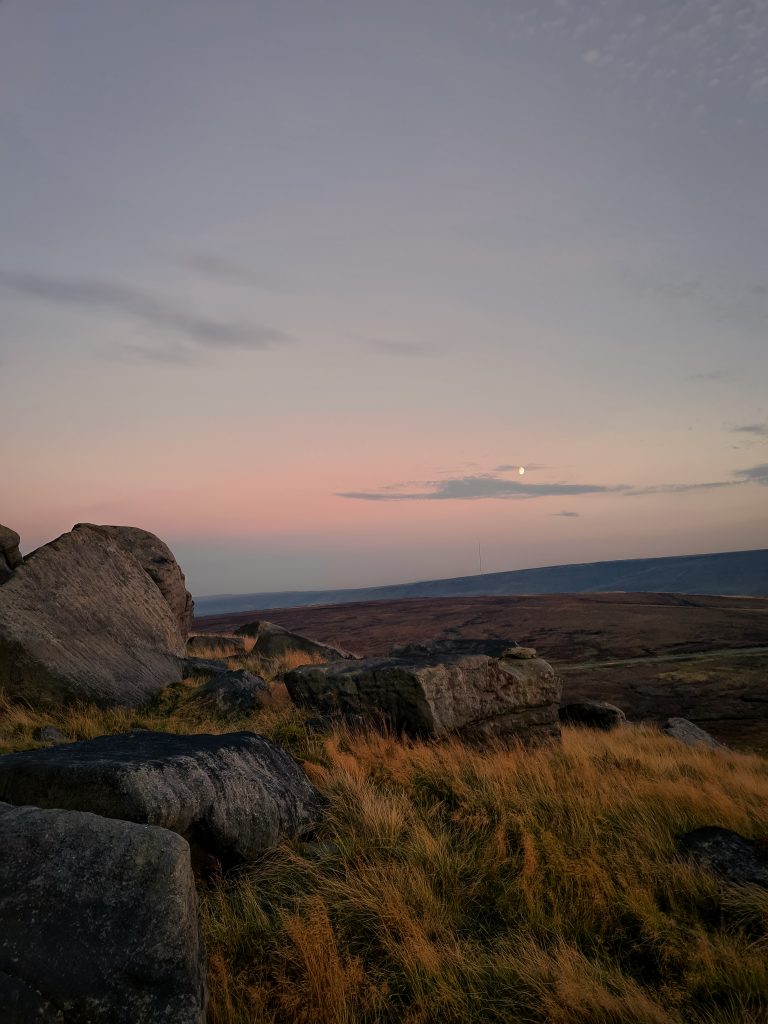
<point>100,838</point>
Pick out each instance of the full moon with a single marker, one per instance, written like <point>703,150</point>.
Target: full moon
<point>521,470</point>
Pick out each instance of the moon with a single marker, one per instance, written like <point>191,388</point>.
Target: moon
<point>521,470</point>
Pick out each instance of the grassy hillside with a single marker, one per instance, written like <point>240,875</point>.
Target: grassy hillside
<point>448,884</point>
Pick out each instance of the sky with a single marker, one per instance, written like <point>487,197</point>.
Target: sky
<point>300,285</point>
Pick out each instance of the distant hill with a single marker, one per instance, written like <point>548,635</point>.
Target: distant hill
<point>729,573</point>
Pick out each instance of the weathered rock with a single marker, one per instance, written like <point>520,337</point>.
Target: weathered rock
<point>10,556</point>
<point>156,559</point>
<point>98,922</point>
<point>520,652</point>
<point>236,692</point>
<point>725,853</point>
<point>80,618</point>
<point>687,732</point>
<point>465,687</point>
<point>209,645</point>
<point>275,642</point>
<point>231,796</point>
<point>592,714</point>
<point>49,734</point>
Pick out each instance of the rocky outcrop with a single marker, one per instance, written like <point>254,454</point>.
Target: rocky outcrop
<point>209,645</point>
<point>231,796</point>
<point>98,922</point>
<point>236,692</point>
<point>275,642</point>
<point>689,733</point>
<point>467,687</point>
<point>10,556</point>
<point>156,559</point>
<point>592,714</point>
<point>81,618</point>
<point>727,854</point>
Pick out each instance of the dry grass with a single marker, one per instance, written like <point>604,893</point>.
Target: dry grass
<point>452,885</point>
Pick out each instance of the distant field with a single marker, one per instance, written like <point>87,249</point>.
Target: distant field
<point>726,692</point>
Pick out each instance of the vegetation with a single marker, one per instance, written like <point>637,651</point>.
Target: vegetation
<point>459,885</point>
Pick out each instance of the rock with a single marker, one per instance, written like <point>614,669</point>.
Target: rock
<point>81,619</point>
<point>98,922</point>
<point>237,692</point>
<point>725,853</point>
<point>156,559</point>
<point>273,641</point>
<point>593,714</point>
<point>231,796</point>
<point>687,732</point>
<point>520,652</point>
<point>208,646</point>
<point>10,556</point>
<point>49,734</point>
<point>465,687</point>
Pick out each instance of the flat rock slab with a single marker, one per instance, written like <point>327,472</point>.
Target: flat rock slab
<point>232,796</point>
<point>80,618</point>
<point>468,688</point>
<point>727,854</point>
<point>689,733</point>
<point>98,922</point>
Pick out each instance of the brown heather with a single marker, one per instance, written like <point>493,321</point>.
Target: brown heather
<point>452,885</point>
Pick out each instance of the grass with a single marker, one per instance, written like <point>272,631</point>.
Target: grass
<point>454,885</point>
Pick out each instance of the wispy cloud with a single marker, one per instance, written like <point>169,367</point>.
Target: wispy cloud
<point>755,429</point>
<point>408,349</point>
<point>489,485</point>
<point>222,269</point>
<point>513,467</point>
<point>708,375</point>
<point>566,515</point>
<point>96,295</point>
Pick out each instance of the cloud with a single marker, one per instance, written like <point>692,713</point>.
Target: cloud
<point>94,295</point>
<point>467,488</point>
<point>757,429</point>
<point>567,515</point>
<point>754,475</point>
<point>171,355</point>
<point>408,349</point>
<point>214,266</point>
<point>513,467</point>
<point>708,375</point>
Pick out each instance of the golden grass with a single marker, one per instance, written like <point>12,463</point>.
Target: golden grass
<point>455,885</point>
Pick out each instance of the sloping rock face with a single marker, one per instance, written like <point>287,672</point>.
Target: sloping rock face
<point>465,687</point>
<point>209,645</point>
<point>80,618</point>
<point>156,559</point>
<point>689,733</point>
<point>274,642</point>
<point>727,854</point>
<point>230,796</point>
<point>98,922</point>
<point>10,556</point>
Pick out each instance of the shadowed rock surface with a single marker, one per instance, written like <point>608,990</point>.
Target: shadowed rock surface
<point>689,733</point>
<point>10,556</point>
<point>238,691</point>
<point>232,796</point>
<point>592,714</point>
<point>49,734</point>
<point>98,922</point>
<point>465,687</point>
<point>725,853</point>
<point>80,618</point>
<point>273,642</point>
<point>156,559</point>
<point>209,645</point>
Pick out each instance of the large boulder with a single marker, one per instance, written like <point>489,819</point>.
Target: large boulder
<point>727,854</point>
<point>273,641</point>
<point>466,687</point>
<point>689,733</point>
<point>592,714</point>
<point>156,559</point>
<point>236,692</point>
<point>231,796</point>
<point>10,556</point>
<point>98,922</point>
<point>81,618</point>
